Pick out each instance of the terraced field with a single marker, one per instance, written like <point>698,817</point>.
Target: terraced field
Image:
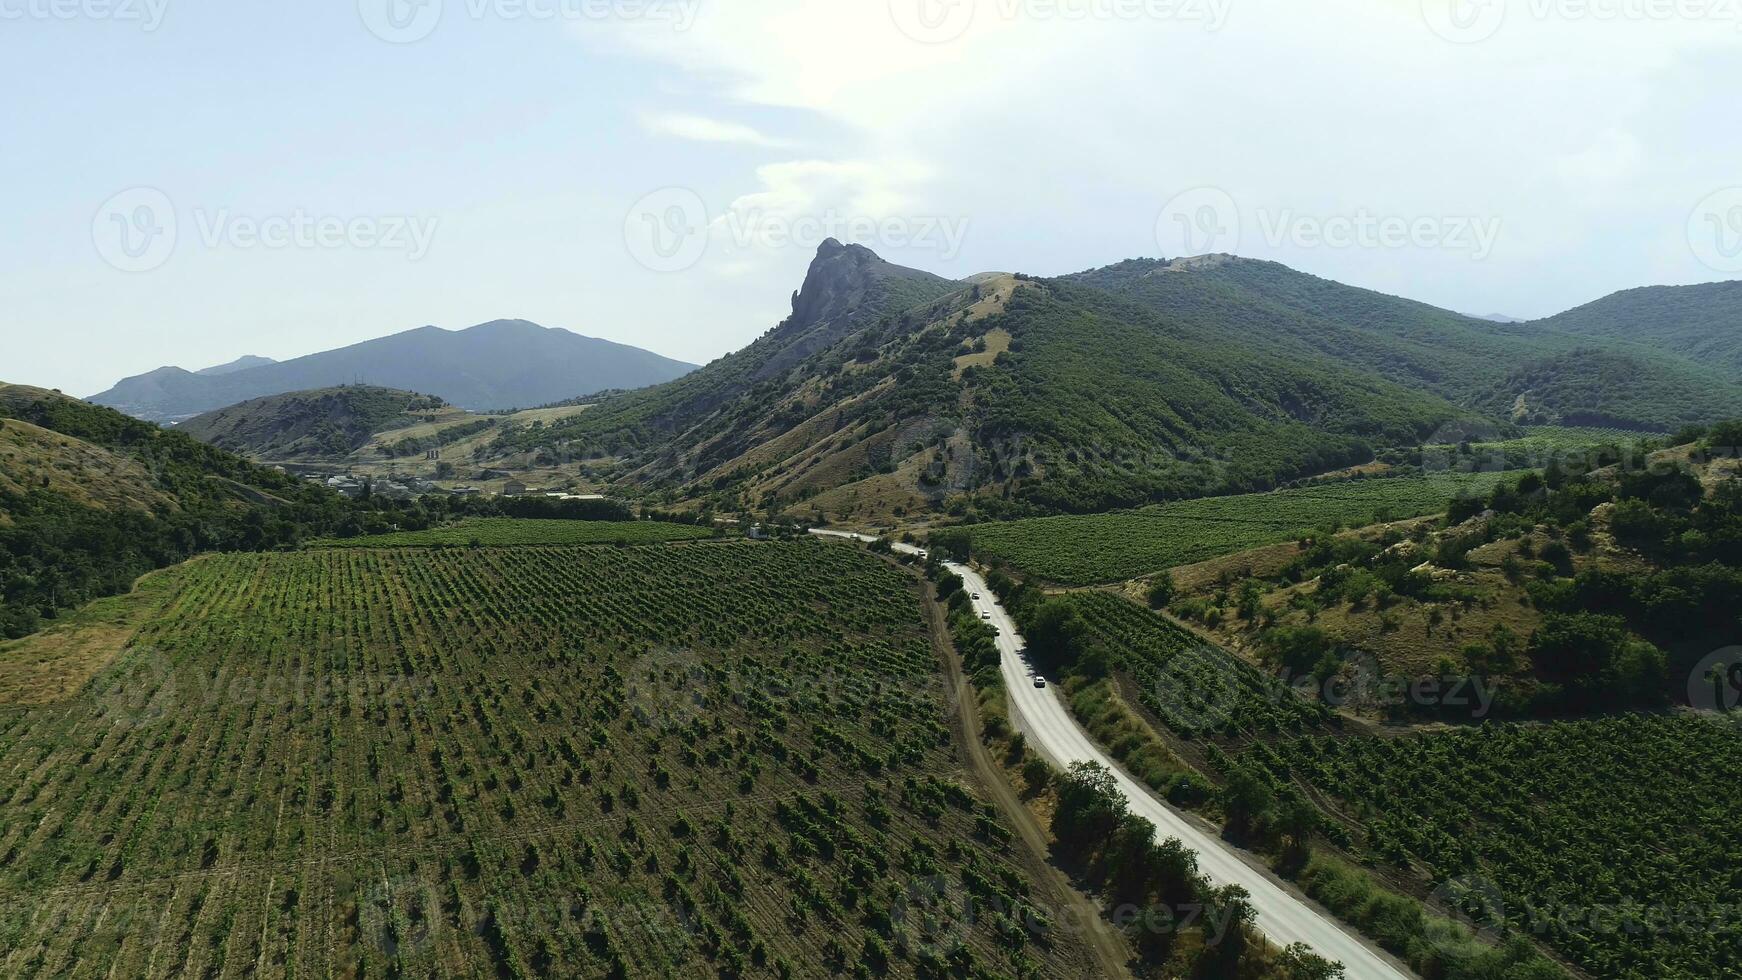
<point>1097,548</point>
<point>653,761</point>
<point>492,532</point>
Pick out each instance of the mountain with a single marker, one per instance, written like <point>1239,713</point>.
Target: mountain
<point>1539,372</point>
<point>504,364</point>
<point>327,423</point>
<point>91,499</point>
<point>1702,323</point>
<point>239,364</point>
<point>890,392</point>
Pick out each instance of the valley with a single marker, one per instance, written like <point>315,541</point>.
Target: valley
<point>1304,642</point>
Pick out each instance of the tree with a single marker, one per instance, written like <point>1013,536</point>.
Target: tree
<point>1090,808</point>
<point>1596,658</point>
<point>1056,633</point>
<point>1246,799</point>
<point>1299,962</point>
<point>1036,773</point>
<point>1161,591</point>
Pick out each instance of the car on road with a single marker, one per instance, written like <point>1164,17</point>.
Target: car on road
<point>976,596</point>
<point>985,615</point>
<point>1039,681</point>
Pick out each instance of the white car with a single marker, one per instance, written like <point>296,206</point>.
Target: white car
<point>1039,682</point>
<point>976,596</point>
<point>985,615</point>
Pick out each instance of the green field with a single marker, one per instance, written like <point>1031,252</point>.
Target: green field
<point>496,532</point>
<point>1097,548</point>
<point>647,762</point>
<point>1571,445</point>
<point>1613,841</point>
<point>1195,688</point>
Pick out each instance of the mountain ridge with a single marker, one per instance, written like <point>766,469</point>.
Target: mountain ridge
<point>890,391</point>
<point>496,365</point>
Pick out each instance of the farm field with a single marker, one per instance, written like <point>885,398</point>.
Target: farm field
<point>1612,841</point>
<point>1098,548</point>
<point>651,761</point>
<point>1196,689</point>
<point>493,532</point>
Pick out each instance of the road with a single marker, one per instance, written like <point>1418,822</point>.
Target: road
<point>1282,916</point>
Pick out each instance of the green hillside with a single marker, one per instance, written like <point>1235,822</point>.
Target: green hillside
<point>325,423</point>
<point>1702,323</point>
<point>66,540</point>
<point>1594,366</point>
<point>891,393</point>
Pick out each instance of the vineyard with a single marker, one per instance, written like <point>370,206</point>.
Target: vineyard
<point>507,531</point>
<point>1193,687</point>
<point>664,761</point>
<point>1613,841</point>
<point>1098,548</point>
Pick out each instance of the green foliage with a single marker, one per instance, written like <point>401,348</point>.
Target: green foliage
<point>1575,826</point>
<point>328,422</point>
<point>1090,549</point>
<point>56,553</point>
<point>591,762</point>
<point>1596,659</point>
<point>1193,687</point>
<point>496,532</point>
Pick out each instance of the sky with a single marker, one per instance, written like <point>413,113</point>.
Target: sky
<point>189,181</point>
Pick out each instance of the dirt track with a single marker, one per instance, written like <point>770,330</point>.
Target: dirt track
<point>1109,951</point>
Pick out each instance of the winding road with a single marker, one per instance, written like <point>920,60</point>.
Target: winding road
<point>1282,916</point>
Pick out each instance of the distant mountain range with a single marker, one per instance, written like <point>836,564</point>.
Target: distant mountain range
<point>891,391</point>
<point>499,365</point>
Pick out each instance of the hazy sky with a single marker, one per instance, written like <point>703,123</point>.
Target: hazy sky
<point>187,181</point>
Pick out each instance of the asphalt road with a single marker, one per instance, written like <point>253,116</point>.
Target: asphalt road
<point>1282,916</point>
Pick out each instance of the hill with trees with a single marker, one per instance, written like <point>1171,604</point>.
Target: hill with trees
<point>890,393</point>
<point>327,423</point>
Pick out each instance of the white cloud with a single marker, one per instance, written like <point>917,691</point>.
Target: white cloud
<point>705,130</point>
